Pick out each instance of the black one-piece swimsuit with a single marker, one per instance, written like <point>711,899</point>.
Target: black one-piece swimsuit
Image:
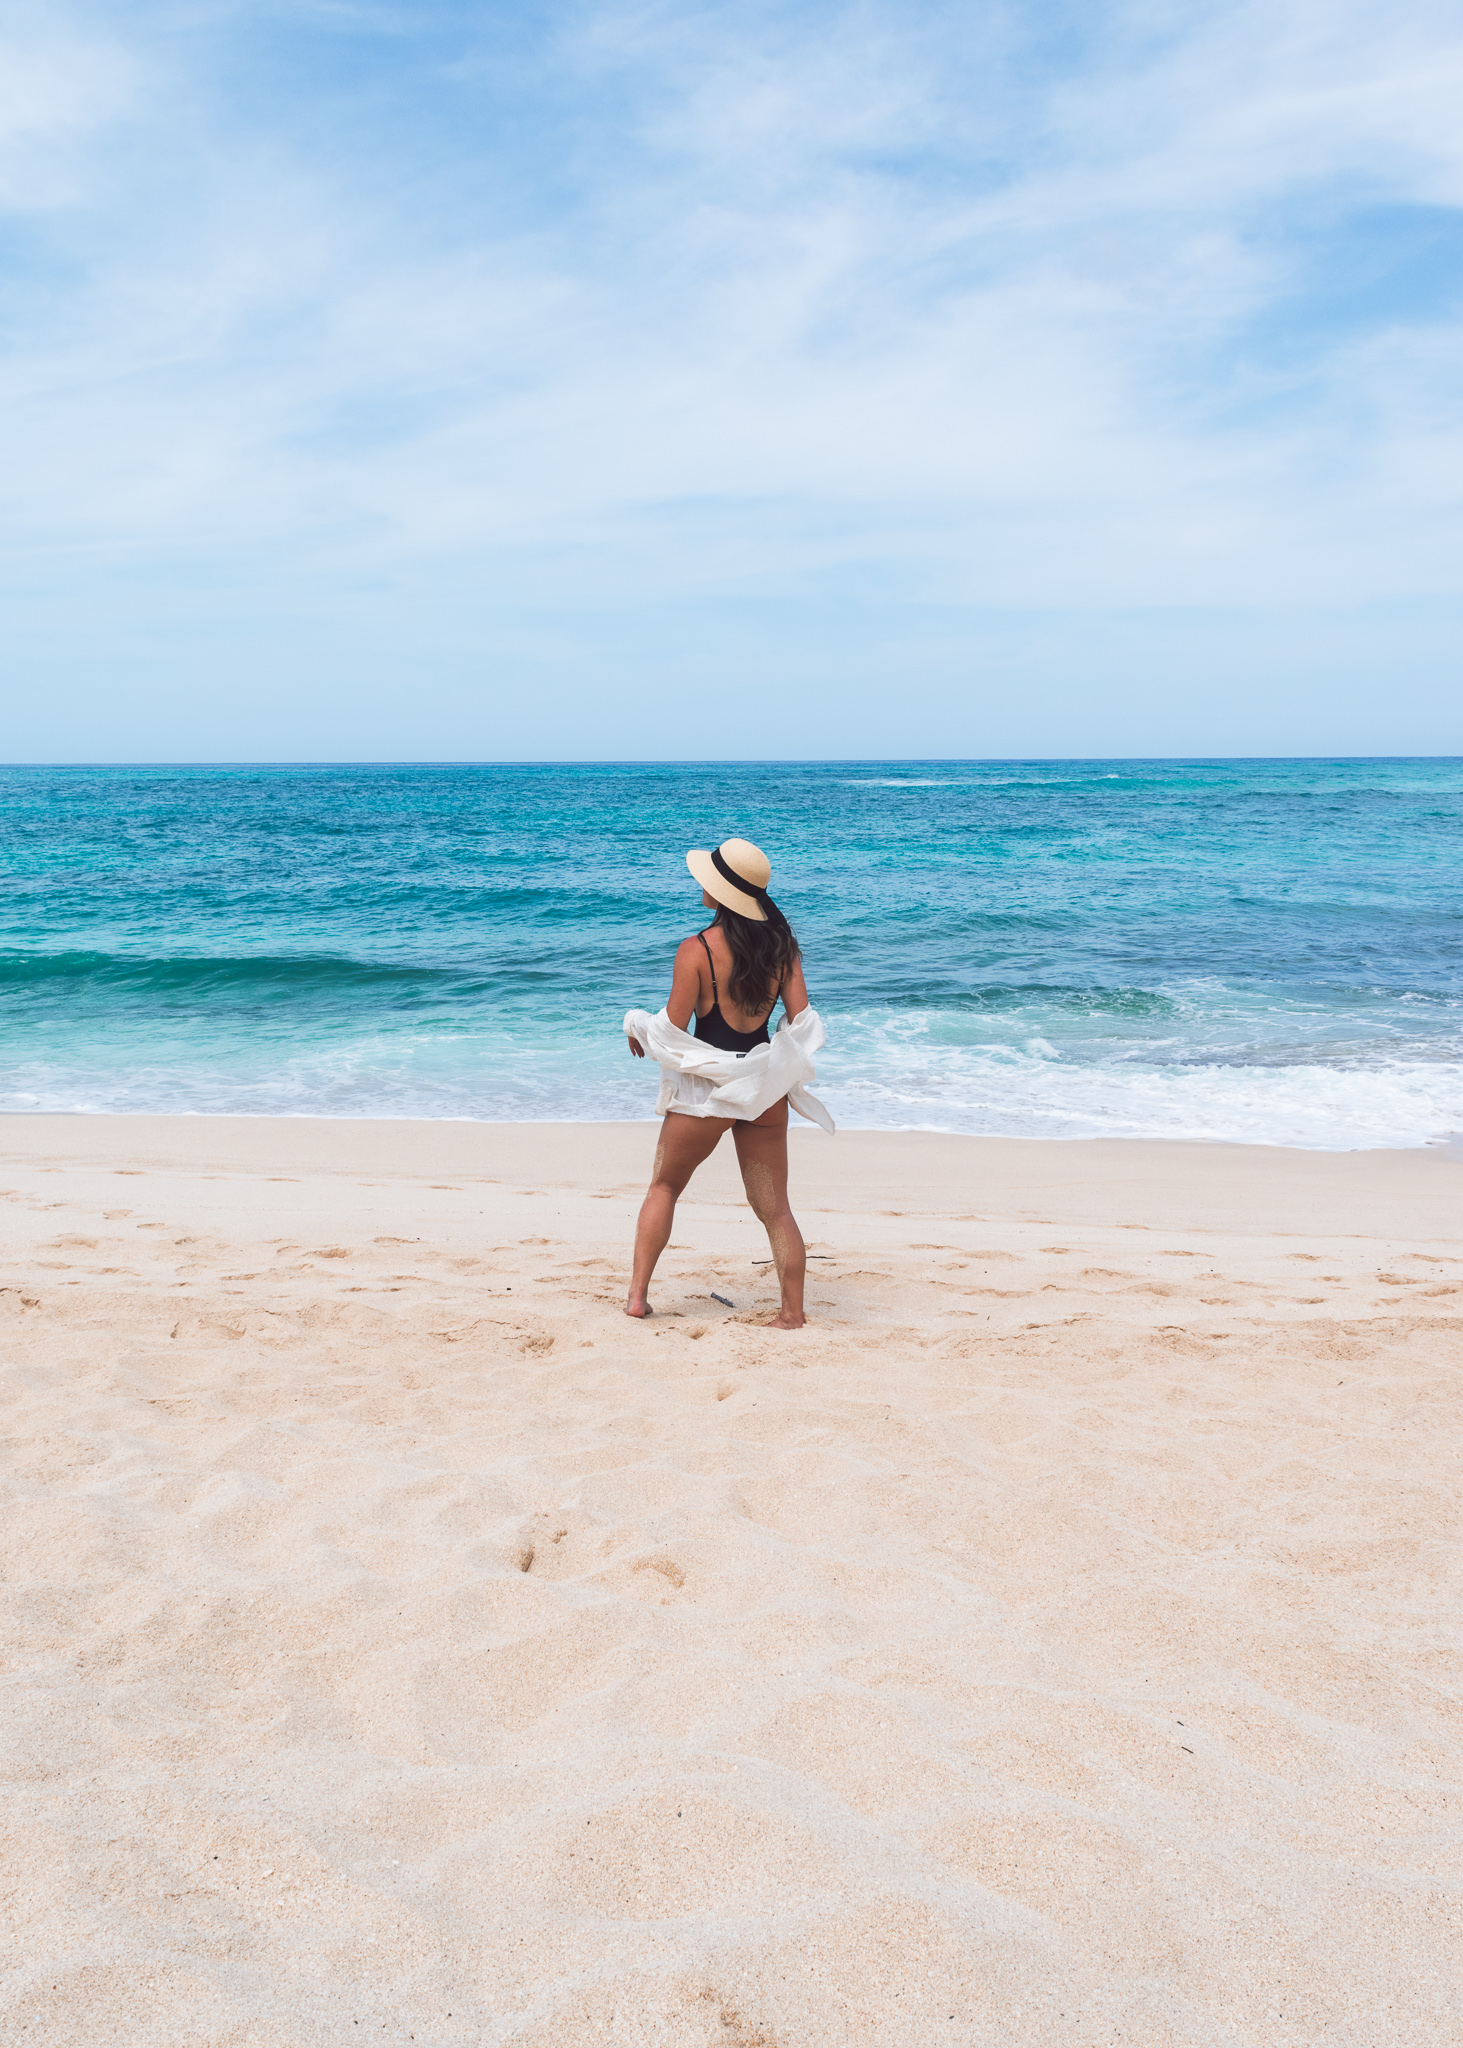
<point>713,1028</point>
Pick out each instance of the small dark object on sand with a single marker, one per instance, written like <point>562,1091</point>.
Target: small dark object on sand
<point>723,1300</point>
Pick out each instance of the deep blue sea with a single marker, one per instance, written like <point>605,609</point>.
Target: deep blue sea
<point>1266,951</point>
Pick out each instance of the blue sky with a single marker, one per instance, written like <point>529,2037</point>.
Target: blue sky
<point>457,381</point>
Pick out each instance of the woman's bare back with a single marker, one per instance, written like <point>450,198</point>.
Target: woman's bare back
<point>691,957</point>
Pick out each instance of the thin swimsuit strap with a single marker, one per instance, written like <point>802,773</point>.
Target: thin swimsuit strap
<point>715,998</point>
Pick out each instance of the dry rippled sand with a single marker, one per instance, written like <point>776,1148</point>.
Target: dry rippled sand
<point>1055,1643</point>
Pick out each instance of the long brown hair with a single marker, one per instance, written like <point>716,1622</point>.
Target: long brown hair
<point>762,954</point>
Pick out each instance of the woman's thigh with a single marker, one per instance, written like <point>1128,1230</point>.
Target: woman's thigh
<point>773,1119</point>
<point>684,1142</point>
<point>762,1156</point>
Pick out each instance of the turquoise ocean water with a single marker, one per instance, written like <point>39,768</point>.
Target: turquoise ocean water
<point>1266,951</point>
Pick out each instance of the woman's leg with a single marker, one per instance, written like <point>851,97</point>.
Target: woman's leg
<point>684,1142</point>
<point>762,1154</point>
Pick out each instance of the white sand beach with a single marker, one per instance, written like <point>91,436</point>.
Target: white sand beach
<point>1056,1642</point>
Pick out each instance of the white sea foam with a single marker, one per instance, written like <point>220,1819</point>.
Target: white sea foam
<point>873,1076</point>
<point>905,1072</point>
<point>1323,1107</point>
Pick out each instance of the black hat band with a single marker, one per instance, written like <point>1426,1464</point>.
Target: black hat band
<point>729,874</point>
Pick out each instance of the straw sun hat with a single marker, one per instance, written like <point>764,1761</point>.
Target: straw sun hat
<point>737,875</point>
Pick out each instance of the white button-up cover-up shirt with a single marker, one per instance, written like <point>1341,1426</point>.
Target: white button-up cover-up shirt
<point>701,1080</point>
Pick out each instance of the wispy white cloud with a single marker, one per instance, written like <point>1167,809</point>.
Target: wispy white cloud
<point>661,304</point>
<point>59,88</point>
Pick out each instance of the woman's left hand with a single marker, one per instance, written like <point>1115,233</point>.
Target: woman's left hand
<point>637,1050</point>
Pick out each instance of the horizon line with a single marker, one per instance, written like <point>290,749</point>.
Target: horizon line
<point>715,761</point>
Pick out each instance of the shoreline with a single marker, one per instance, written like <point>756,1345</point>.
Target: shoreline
<point>1451,1141</point>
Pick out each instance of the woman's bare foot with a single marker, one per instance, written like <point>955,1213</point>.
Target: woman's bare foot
<point>785,1322</point>
<point>637,1305</point>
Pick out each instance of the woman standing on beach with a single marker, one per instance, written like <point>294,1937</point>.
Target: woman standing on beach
<point>731,1073</point>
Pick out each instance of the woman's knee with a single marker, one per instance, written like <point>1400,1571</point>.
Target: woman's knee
<point>772,1212</point>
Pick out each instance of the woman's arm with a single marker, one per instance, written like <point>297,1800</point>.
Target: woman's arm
<point>794,990</point>
<point>685,989</point>
<point>685,983</point>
